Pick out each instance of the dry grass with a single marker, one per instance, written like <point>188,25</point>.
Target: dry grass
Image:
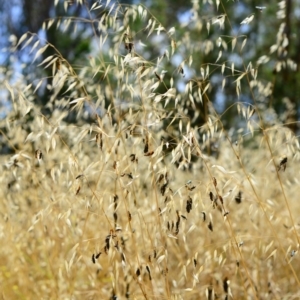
<point>135,201</point>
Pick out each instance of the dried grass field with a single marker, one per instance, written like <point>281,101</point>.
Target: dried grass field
<point>135,200</point>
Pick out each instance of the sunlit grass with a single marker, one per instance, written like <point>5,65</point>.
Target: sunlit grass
<point>135,200</point>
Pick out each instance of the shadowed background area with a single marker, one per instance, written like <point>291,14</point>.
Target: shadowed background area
<point>273,37</point>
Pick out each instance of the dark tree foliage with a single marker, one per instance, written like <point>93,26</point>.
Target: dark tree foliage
<point>265,32</point>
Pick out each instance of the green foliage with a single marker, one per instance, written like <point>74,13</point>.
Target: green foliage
<point>130,182</point>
